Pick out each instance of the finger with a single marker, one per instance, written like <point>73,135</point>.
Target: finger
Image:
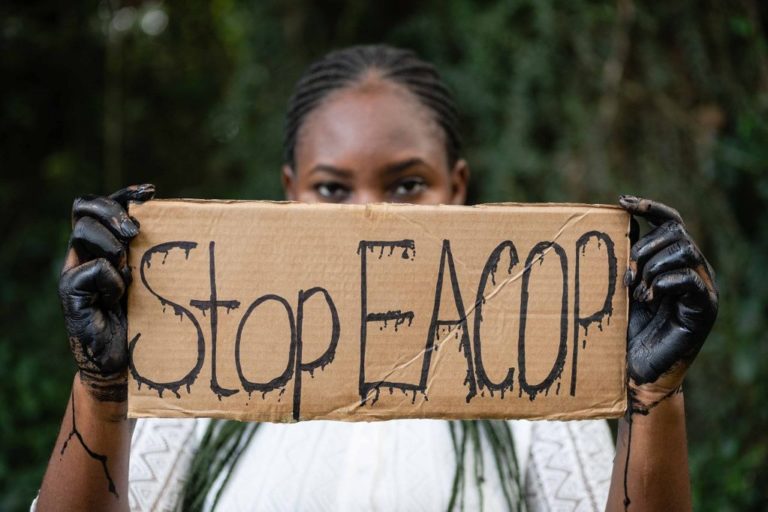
<point>97,340</point>
<point>105,352</point>
<point>639,317</point>
<point>648,363</point>
<point>657,347</point>
<point>678,255</point>
<point>654,212</point>
<point>686,284</point>
<point>649,245</point>
<point>71,259</point>
<point>91,239</point>
<point>108,212</point>
<point>92,282</point>
<point>114,355</point>
<point>707,274</point>
<point>634,230</point>
<point>143,192</point>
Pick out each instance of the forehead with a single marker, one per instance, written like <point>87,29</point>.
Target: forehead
<point>373,120</point>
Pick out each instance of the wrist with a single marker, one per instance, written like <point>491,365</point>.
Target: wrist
<point>646,397</point>
<point>103,399</point>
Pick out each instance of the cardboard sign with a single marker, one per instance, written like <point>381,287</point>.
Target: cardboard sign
<point>284,312</point>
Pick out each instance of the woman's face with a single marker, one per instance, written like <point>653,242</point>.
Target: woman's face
<point>372,143</point>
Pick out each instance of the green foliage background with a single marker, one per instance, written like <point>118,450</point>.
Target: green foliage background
<point>561,101</point>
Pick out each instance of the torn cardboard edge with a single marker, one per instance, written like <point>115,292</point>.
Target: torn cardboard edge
<point>279,311</point>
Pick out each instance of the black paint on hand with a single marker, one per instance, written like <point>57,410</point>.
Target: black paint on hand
<point>674,299</point>
<point>92,287</point>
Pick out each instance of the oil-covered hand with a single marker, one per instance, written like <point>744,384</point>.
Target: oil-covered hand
<point>674,301</point>
<point>92,284</point>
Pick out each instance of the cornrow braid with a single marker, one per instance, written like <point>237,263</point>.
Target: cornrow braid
<point>342,68</point>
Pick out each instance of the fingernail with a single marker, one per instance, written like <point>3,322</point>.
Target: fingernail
<point>145,191</point>
<point>629,276</point>
<point>127,275</point>
<point>627,198</point>
<point>128,228</point>
<point>639,292</point>
<point>648,296</point>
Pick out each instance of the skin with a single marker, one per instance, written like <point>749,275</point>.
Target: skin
<point>374,142</point>
<point>355,148</point>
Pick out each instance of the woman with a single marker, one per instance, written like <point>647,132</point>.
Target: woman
<point>374,124</point>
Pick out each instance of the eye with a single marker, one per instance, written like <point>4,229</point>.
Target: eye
<point>332,191</point>
<point>409,187</point>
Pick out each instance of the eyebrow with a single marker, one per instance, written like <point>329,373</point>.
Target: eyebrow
<point>399,167</point>
<point>336,171</point>
<point>392,169</point>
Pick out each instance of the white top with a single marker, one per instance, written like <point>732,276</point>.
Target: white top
<point>395,465</point>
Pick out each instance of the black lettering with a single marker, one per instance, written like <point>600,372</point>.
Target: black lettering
<point>277,382</point>
<point>326,358</point>
<point>461,323</point>
<point>537,253</point>
<point>491,266</point>
<point>398,317</point>
<point>606,310</point>
<point>189,378</point>
<point>212,305</point>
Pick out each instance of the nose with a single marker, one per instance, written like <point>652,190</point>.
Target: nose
<point>365,196</point>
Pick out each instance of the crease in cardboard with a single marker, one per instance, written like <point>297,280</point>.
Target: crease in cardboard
<point>494,292</point>
<point>528,267</point>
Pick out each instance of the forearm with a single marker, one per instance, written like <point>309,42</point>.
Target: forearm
<point>651,464</point>
<point>88,469</point>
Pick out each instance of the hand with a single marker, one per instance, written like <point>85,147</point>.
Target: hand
<point>91,288</point>
<point>674,301</point>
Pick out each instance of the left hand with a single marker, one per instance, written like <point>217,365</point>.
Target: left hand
<point>674,301</point>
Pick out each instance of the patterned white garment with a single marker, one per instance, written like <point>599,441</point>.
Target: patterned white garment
<point>569,466</point>
<point>399,465</point>
<point>393,465</point>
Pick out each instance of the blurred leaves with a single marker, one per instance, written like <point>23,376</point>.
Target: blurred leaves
<point>561,101</point>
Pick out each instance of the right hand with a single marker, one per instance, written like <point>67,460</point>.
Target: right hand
<point>673,303</point>
<point>91,288</point>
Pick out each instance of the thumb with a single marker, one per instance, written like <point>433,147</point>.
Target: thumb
<point>143,192</point>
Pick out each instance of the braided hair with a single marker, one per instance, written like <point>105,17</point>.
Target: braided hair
<point>344,68</point>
